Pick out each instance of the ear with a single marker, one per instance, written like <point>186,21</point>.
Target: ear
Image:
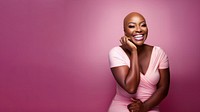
<point>125,34</point>
<point>124,31</point>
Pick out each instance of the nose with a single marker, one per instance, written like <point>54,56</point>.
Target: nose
<point>138,29</point>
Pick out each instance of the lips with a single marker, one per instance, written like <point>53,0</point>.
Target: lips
<point>138,37</point>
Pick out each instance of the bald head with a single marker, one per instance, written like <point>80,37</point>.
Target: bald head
<point>131,16</point>
<point>135,24</point>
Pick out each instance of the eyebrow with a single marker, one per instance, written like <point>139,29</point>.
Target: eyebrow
<point>135,23</point>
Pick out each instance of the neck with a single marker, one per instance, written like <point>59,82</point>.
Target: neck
<point>141,48</point>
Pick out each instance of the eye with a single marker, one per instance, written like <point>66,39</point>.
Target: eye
<point>131,26</point>
<point>144,25</point>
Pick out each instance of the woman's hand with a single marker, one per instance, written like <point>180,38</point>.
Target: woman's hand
<point>137,106</point>
<point>126,42</point>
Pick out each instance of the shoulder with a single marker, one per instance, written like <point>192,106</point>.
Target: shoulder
<point>160,54</point>
<point>116,50</point>
<point>159,50</point>
<point>117,53</point>
<point>117,57</point>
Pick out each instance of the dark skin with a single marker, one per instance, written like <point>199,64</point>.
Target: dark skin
<point>128,78</point>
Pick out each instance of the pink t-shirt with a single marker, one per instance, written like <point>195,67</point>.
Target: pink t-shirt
<point>148,82</point>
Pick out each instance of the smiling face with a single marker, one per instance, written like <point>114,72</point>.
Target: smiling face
<point>135,28</point>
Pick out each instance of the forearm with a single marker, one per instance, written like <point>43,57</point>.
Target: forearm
<point>156,98</point>
<point>133,78</point>
<point>162,89</point>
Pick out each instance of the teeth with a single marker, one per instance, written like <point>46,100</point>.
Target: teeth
<point>138,36</point>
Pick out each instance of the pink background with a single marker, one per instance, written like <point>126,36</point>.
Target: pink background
<point>54,53</point>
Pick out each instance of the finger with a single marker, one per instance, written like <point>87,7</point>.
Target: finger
<point>127,39</point>
<point>130,40</point>
<point>131,109</point>
<point>122,40</point>
<point>139,101</point>
<point>134,99</point>
<point>133,106</point>
<point>134,110</point>
<point>130,106</point>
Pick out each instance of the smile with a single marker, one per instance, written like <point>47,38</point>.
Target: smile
<point>139,37</point>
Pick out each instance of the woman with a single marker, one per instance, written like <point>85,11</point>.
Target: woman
<point>141,70</point>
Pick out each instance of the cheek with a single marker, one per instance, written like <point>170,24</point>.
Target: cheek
<point>145,30</point>
<point>128,31</point>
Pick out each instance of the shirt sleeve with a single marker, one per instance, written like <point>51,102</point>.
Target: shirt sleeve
<point>164,61</point>
<point>116,58</point>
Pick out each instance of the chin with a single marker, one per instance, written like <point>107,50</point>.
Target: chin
<point>138,43</point>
